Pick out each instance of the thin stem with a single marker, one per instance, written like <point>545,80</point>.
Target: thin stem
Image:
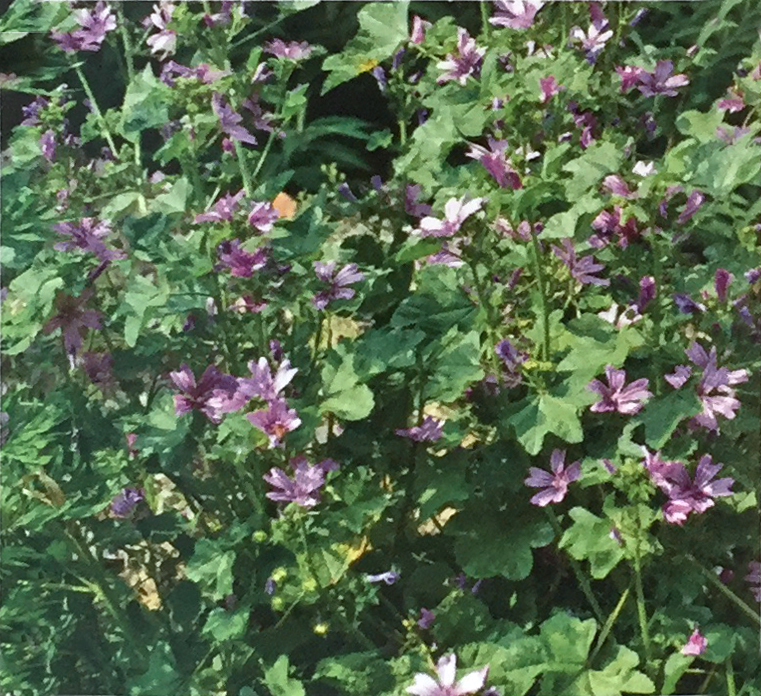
<point>307,555</point>
<point>251,493</point>
<point>485,26</point>
<point>130,65</point>
<point>641,608</point>
<point>719,585</point>
<point>240,155</point>
<point>265,152</point>
<point>730,673</point>
<point>95,107</point>
<point>542,297</point>
<point>581,578</point>
<point>402,132</point>
<point>609,625</point>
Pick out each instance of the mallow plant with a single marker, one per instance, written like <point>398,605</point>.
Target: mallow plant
<point>277,420</point>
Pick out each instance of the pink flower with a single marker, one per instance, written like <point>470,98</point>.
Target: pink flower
<point>293,50</point>
<point>276,421</point>
<point>446,671</point>
<point>223,209</point>
<point>629,75</point>
<point>555,484</point>
<point>661,80</point>
<point>304,488</point>
<point>515,14</point>
<point>626,400</point>
<point>419,27</point>
<point>466,63</point>
<point>205,395</point>
<point>549,87</point>
<point>496,162</point>
<point>696,645</point>
<point>456,211</point>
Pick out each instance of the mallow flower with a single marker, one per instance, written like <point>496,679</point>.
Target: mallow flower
<point>428,431</point>
<point>696,644</point>
<point>303,488</point>
<point>276,421</point>
<point>204,394</point>
<point>496,162</point>
<point>338,282</point>
<point>445,684</point>
<point>616,396</point>
<point>515,14</point>
<point>466,63</point>
<point>456,211</point>
<point>555,484</point>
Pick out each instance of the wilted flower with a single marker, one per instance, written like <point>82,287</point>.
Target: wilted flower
<point>466,63</point>
<point>582,269</point>
<point>515,14</point>
<point>165,41</point>
<point>617,186</point>
<point>71,318</point>
<point>456,211</point>
<point>446,671</point>
<point>204,395</point>
<point>694,201</point>
<point>303,489</point>
<point>338,282</point>
<point>241,263</point>
<point>94,25</point>
<point>47,145</point>
<point>389,577</point>
<point>496,162</point>
<point>511,359</point>
<point>230,120</point>
<point>721,280</point>
<point>629,75</point>
<point>31,111</point>
<point>609,223</point>
<point>87,235</point>
<point>661,80</point>
<point>646,291</point>
<point>223,17</point>
<point>418,29</point>
<point>686,495</point>
<point>428,431</point>
<point>222,210</point>
<point>125,502</point>
<point>626,400</point>
<point>293,50</point>
<point>276,421</point>
<point>555,484</point>
<point>696,644</point>
<point>98,367</point>
<point>686,305</point>
<point>263,216</point>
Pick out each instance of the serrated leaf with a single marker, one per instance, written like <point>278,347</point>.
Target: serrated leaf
<point>588,539</point>
<point>662,415</point>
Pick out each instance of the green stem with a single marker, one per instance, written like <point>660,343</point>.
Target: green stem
<point>581,578</point>
<point>95,108</point>
<point>641,609</point>
<point>402,132</point>
<point>251,493</point>
<point>485,26</point>
<point>240,155</point>
<point>307,555</point>
<point>129,57</point>
<point>719,585</point>
<point>542,297</point>
<point>731,689</point>
<point>265,152</point>
<point>609,625</point>
<point>657,322</point>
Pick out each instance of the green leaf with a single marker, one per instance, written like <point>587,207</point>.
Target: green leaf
<point>701,126</point>
<point>223,625</point>
<point>730,167</point>
<point>675,667</point>
<point>212,569</point>
<point>456,367</point>
<point>278,682</point>
<point>161,677</point>
<point>145,105</point>
<point>357,673</point>
<point>567,639</point>
<point>662,415</point>
<point>344,395</point>
<point>588,539</point>
<point>385,350</point>
<point>480,545</point>
<point>564,224</point>
<point>174,201</point>
<point>599,159</point>
<point>441,482</point>
<point>616,678</point>
<point>380,140</point>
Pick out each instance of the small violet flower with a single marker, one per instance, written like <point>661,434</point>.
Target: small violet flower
<point>223,209</point>
<point>338,282</point>
<point>614,396</point>
<point>456,211</point>
<point>93,26</point>
<point>555,484</point>
<point>548,88</point>
<point>428,431</point>
<point>467,63</point>
<point>446,671</point>
<point>71,318</point>
<point>594,39</point>
<point>276,421</point>
<point>304,488</point>
<point>87,235</point>
<point>238,261</point>
<point>230,120</point>
<point>582,269</point>
<point>661,80</point>
<point>203,395</point>
<point>427,617</point>
<point>263,216</point>
<point>515,14</point>
<point>125,502</point>
<point>293,50</point>
<point>496,162</point>
<point>696,644</point>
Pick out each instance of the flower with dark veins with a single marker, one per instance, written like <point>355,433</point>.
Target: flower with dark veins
<point>276,421</point>
<point>456,211</point>
<point>338,282</point>
<point>615,396</point>
<point>230,120</point>
<point>428,431</point>
<point>581,269</point>
<point>202,395</point>
<point>223,209</point>
<point>303,488</point>
<point>445,684</point>
<point>555,484</point>
<point>71,318</point>
<point>515,14</point>
<point>465,64</point>
<point>496,162</point>
<point>238,261</point>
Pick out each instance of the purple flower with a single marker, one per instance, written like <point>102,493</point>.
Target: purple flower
<point>626,400</point>
<point>609,223</point>
<point>222,18</point>
<point>446,671</point>
<point>293,50</point>
<point>686,495</point>
<point>733,103</point>
<point>125,501</point>
<point>71,318</point>
<point>549,87</point>
<point>679,377</point>
<point>686,305</point>
<point>456,211</point>
<point>426,619</point>
<point>428,431</point>
<point>411,195</point>
<point>515,14</point>
<point>511,359</point>
<point>93,27</point>
<point>165,41</point>
<point>47,145</point>
<point>721,280</point>
<point>98,367</point>
<point>555,484</point>
<point>270,586</point>
<point>303,489</point>
<point>496,162</point>
<point>582,269</point>
<point>31,111</point>
<point>629,75</point>
<point>204,395</point>
<point>646,292</point>
<point>754,579</point>
<point>223,209</point>
<point>389,577</point>
<point>276,421</point>
<point>338,282</point>
<point>230,120</point>
<point>466,63</point>
<point>694,201</point>
<point>661,80</point>
<point>419,27</point>
<point>88,235</point>
<point>696,644</point>
<point>263,216</point>
<point>753,275</point>
<point>595,38</point>
<point>617,186</point>
<point>240,262</point>
<point>263,384</point>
